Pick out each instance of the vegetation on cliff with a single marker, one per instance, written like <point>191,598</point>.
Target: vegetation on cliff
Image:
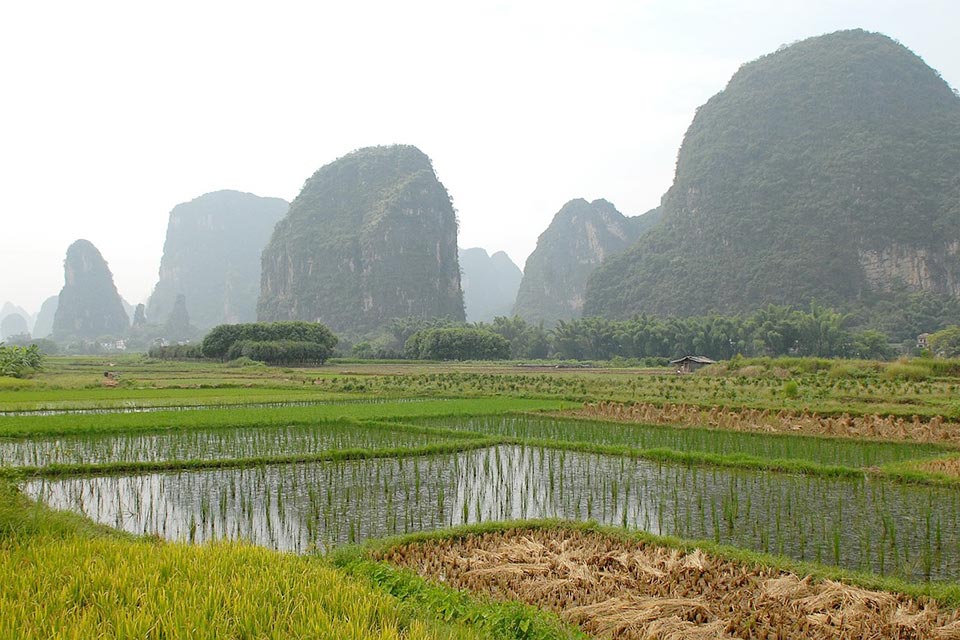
<point>371,237</point>
<point>826,171</point>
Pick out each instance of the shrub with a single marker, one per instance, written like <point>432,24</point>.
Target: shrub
<point>791,389</point>
<point>222,341</point>
<point>18,362</point>
<point>457,343</point>
<point>904,371</point>
<point>176,352</point>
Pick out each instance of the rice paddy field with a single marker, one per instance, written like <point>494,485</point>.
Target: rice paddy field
<point>471,500</point>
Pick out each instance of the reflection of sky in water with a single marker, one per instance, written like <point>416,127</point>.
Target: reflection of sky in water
<point>302,506</point>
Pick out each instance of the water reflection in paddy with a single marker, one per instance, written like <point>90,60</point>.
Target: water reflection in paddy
<point>913,531</point>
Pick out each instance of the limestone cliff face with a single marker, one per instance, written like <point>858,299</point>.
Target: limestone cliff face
<point>212,257</point>
<point>371,237</point>
<point>826,171</point>
<point>490,284</point>
<point>934,268</point>
<point>88,305</point>
<point>580,237</point>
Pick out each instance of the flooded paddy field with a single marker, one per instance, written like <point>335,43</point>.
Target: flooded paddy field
<point>911,531</point>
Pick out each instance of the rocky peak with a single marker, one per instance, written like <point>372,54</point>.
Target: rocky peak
<point>89,305</point>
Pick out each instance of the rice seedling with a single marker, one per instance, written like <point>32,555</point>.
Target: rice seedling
<point>215,444</point>
<point>770,446</point>
<point>60,425</point>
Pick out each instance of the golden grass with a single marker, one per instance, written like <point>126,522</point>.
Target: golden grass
<point>81,587</point>
<point>632,590</point>
<point>946,466</point>
<point>873,427</point>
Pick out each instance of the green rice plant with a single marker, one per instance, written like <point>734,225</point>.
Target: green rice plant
<point>59,425</point>
<point>216,444</point>
<point>633,438</point>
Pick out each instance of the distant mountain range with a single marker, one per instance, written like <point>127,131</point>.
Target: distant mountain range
<point>490,284</point>
<point>826,172</point>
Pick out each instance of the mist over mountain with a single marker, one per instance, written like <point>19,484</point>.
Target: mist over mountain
<point>371,237</point>
<point>580,236</point>
<point>212,256</point>
<point>44,323</point>
<point>489,282</point>
<point>828,170</point>
<point>13,324</point>
<point>9,308</point>
<point>88,305</point>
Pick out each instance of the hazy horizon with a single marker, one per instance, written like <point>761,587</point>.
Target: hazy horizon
<point>115,113</point>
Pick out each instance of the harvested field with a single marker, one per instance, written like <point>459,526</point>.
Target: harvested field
<point>877,427</point>
<point>946,466</point>
<point>619,589</point>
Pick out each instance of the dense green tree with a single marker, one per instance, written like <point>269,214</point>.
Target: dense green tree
<point>219,341</point>
<point>457,343</point>
<point>18,362</point>
<point>946,342</point>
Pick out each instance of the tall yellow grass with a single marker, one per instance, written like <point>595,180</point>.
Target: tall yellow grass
<point>82,587</point>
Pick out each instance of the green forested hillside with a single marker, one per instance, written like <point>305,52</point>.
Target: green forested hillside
<point>372,236</point>
<point>827,171</point>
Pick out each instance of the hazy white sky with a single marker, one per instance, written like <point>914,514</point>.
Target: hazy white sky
<point>111,113</point>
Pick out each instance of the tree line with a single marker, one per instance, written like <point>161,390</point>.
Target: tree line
<point>771,331</point>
